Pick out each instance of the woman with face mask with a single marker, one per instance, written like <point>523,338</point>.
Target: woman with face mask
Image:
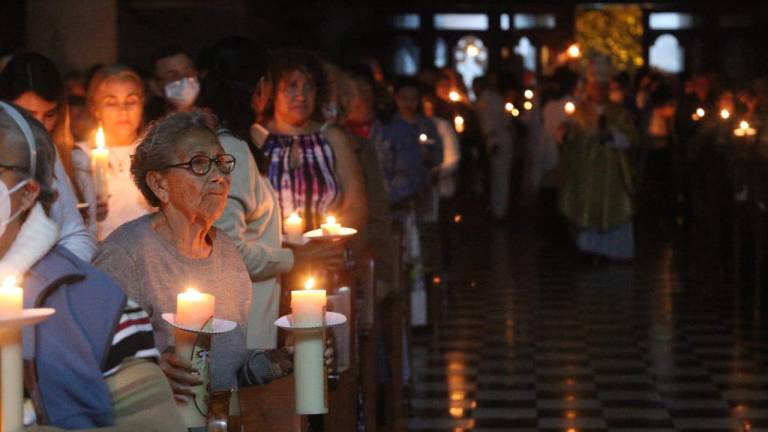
<point>105,375</point>
<point>32,82</point>
<point>115,102</point>
<point>174,85</point>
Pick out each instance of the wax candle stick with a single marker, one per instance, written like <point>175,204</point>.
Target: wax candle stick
<point>308,310</point>
<point>195,310</point>
<point>100,167</point>
<point>331,227</point>
<point>11,297</point>
<point>293,227</point>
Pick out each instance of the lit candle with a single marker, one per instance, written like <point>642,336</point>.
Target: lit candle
<point>744,129</point>
<point>700,112</point>
<point>574,51</point>
<point>528,94</point>
<point>454,96</point>
<point>294,228</point>
<point>194,309</point>
<point>100,166</point>
<point>528,105</point>
<point>509,106</point>
<point>330,227</point>
<point>423,138</point>
<point>308,310</point>
<point>569,108</point>
<point>11,298</point>
<point>515,112</point>
<point>11,372</point>
<point>473,50</point>
<point>458,123</point>
<point>725,114</point>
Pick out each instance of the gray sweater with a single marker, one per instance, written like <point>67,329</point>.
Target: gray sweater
<point>153,272</point>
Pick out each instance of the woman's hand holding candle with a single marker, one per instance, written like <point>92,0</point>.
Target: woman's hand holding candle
<point>182,376</point>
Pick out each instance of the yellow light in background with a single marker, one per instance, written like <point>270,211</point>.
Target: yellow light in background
<point>457,218</point>
<point>473,50</point>
<point>569,108</point>
<point>454,96</point>
<point>574,51</point>
<point>725,114</point>
<point>528,105</point>
<point>744,125</point>
<point>458,123</point>
<point>700,112</point>
<point>509,106</point>
<point>456,412</point>
<point>515,112</point>
<point>528,93</point>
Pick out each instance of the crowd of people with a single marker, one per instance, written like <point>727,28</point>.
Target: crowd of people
<point>208,158</point>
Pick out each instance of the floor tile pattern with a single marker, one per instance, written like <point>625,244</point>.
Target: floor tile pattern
<point>531,340</point>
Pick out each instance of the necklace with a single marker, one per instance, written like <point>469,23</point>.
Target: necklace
<point>119,162</point>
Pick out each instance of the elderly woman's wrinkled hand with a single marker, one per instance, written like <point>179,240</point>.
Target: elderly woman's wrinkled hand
<point>181,375</point>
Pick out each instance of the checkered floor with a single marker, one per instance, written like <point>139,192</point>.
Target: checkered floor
<point>533,341</point>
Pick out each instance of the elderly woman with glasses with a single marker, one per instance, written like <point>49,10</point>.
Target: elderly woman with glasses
<point>180,168</point>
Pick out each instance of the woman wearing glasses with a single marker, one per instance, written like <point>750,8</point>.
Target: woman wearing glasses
<point>115,102</point>
<point>180,168</point>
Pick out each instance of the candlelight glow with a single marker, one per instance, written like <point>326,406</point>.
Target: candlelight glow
<point>9,282</point>
<point>294,217</point>
<point>193,294</point>
<point>700,112</point>
<point>528,105</point>
<point>574,51</point>
<point>472,50</point>
<point>528,94</point>
<point>725,114</point>
<point>330,220</point>
<point>423,138</point>
<point>100,138</point>
<point>309,284</point>
<point>515,112</point>
<point>744,125</point>
<point>509,106</point>
<point>454,96</point>
<point>458,123</point>
<point>569,108</point>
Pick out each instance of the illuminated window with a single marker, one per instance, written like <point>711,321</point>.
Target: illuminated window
<point>406,21</point>
<point>670,21</point>
<point>532,21</point>
<point>406,56</point>
<point>471,57</point>
<point>504,21</point>
<point>527,51</point>
<point>666,54</point>
<point>441,53</point>
<point>461,21</point>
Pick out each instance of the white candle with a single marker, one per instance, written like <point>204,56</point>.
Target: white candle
<point>308,306</point>
<point>458,123</point>
<point>330,227</point>
<point>194,309</point>
<point>294,228</point>
<point>11,372</point>
<point>308,310</point>
<point>11,298</point>
<point>100,166</point>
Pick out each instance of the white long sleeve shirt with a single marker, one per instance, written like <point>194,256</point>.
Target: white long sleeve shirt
<point>73,234</point>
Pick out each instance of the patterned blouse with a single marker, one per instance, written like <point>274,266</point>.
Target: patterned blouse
<point>302,170</point>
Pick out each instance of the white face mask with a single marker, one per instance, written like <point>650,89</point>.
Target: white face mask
<point>182,93</point>
<point>5,204</point>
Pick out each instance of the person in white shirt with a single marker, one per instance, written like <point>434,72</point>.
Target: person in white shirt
<point>115,100</point>
<point>32,82</point>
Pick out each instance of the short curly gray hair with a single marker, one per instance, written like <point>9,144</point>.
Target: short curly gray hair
<point>13,142</point>
<point>157,146</point>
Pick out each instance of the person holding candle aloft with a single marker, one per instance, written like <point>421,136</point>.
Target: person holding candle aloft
<point>115,102</point>
<point>252,216</point>
<point>32,82</point>
<point>91,380</point>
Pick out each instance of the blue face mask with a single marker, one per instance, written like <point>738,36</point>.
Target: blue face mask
<point>182,93</point>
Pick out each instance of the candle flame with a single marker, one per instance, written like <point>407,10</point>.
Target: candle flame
<point>423,138</point>
<point>454,96</point>
<point>515,112</point>
<point>294,217</point>
<point>725,114</point>
<point>574,51</point>
<point>309,284</point>
<point>459,120</point>
<point>100,138</point>
<point>9,282</point>
<point>744,125</point>
<point>509,106</point>
<point>569,108</point>
<point>528,94</point>
<point>700,112</point>
<point>330,220</point>
<point>528,105</point>
<point>473,50</point>
<point>194,293</point>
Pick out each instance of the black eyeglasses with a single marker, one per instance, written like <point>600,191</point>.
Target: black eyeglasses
<point>201,165</point>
